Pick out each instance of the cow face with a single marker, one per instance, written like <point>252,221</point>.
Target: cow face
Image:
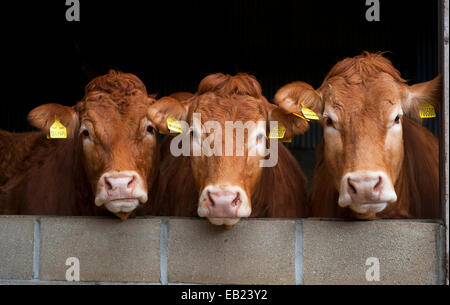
<point>233,129</point>
<point>362,121</point>
<point>119,141</point>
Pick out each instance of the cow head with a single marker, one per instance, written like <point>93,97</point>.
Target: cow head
<point>119,140</point>
<point>230,118</point>
<point>362,102</point>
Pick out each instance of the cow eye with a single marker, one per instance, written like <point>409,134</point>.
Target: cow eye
<point>329,122</point>
<point>397,119</point>
<point>85,133</point>
<point>150,129</point>
<point>259,138</point>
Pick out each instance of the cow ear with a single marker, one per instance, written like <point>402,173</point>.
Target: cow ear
<point>294,125</point>
<point>44,116</point>
<point>292,97</point>
<point>427,92</point>
<point>167,107</point>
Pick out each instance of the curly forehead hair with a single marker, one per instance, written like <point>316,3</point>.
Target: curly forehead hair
<point>115,89</point>
<point>359,69</point>
<point>227,85</point>
<point>116,84</point>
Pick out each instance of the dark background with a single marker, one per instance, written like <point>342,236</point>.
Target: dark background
<point>172,45</point>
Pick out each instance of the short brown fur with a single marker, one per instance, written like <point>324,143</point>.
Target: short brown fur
<point>53,176</point>
<point>364,92</point>
<point>279,191</point>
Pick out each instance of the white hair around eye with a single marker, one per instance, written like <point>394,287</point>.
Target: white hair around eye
<point>257,140</point>
<point>395,118</point>
<point>330,123</point>
<point>150,129</point>
<point>86,133</point>
<point>330,119</point>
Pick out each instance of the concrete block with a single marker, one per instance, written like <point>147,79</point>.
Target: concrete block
<point>107,249</point>
<point>252,252</point>
<point>335,252</point>
<point>16,247</point>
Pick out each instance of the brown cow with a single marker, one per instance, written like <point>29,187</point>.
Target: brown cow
<point>373,162</point>
<point>226,187</point>
<point>109,157</point>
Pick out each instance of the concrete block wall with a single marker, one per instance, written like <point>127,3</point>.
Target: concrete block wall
<point>34,250</point>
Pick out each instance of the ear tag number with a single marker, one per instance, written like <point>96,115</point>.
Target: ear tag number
<point>300,116</point>
<point>277,132</point>
<point>58,131</point>
<point>308,113</point>
<point>173,125</point>
<point>427,111</point>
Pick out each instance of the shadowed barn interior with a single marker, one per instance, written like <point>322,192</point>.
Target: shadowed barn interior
<point>172,45</point>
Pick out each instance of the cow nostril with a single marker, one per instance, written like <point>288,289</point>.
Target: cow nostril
<point>351,188</point>
<point>132,181</point>
<point>210,198</point>
<point>378,185</point>
<point>236,200</point>
<point>108,185</point>
<point>223,198</point>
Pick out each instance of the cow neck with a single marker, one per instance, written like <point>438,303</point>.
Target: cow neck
<point>418,184</point>
<point>84,197</point>
<point>174,192</point>
<point>323,195</point>
<point>62,165</point>
<point>281,189</point>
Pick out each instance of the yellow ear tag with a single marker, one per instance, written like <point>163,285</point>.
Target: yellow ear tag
<point>287,140</point>
<point>58,131</point>
<point>173,125</point>
<point>309,114</point>
<point>427,111</point>
<point>300,116</point>
<point>277,132</point>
